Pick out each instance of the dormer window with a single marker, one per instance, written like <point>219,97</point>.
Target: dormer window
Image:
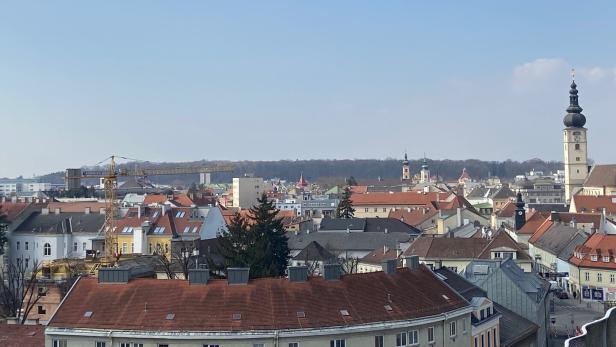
<point>606,259</point>
<point>593,257</point>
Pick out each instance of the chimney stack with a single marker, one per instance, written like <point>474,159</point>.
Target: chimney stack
<point>57,211</point>
<point>298,273</point>
<point>237,275</point>
<point>389,266</point>
<point>332,272</point>
<point>87,210</point>
<point>198,276</point>
<point>412,262</point>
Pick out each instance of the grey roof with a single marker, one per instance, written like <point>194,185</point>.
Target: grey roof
<point>343,224</point>
<point>478,192</point>
<point>366,241</point>
<point>66,222</point>
<point>368,225</point>
<point>315,252</point>
<point>464,231</point>
<point>577,240</point>
<point>558,238</point>
<point>503,193</point>
<point>548,207</point>
<point>513,327</point>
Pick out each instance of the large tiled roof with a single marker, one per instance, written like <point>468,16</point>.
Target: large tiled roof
<point>16,335</point>
<point>397,198</point>
<point>507,211</point>
<point>534,220</point>
<point>10,210</point>
<point>598,244</point>
<point>264,304</point>
<point>589,203</point>
<point>342,241</point>
<point>601,176</point>
<point>503,193</point>
<point>414,216</point>
<point>557,238</point>
<point>380,255</point>
<point>62,223</point>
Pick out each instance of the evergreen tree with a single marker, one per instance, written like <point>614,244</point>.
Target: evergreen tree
<point>345,207</point>
<point>258,242</point>
<point>351,181</point>
<point>234,244</point>
<point>271,251</point>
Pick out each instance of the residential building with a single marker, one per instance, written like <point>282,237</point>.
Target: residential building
<point>601,180</point>
<point>457,253</point>
<point>575,146</point>
<point>594,204</point>
<point>524,293</point>
<point>496,325</point>
<point>317,208</point>
<point>380,204</point>
<point>593,268</point>
<point>421,217</point>
<point>451,219</point>
<point>13,187</point>
<point>551,246</point>
<point>378,225</point>
<point>314,257</point>
<point>542,190</point>
<point>500,197</point>
<point>45,236</point>
<point>246,191</point>
<point>375,260</point>
<point>404,307</point>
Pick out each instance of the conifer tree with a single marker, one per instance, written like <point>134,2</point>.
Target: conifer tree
<point>345,207</point>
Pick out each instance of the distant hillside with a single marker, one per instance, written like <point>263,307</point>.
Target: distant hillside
<point>314,170</point>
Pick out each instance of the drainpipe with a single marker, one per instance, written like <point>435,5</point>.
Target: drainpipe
<point>276,338</point>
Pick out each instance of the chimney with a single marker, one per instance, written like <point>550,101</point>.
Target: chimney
<point>113,275</point>
<point>412,262</point>
<point>101,210</point>
<point>237,275</point>
<point>45,211</point>
<point>14,199</point>
<point>198,276</point>
<point>298,273</point>
<point>163,209</point>
<point>57,211</point>
<point>139,211</point>
<point>87,210</point>
<point>332,272</point>
<point>573,223</point>
<point>389,266</point>
<point>459,216</point>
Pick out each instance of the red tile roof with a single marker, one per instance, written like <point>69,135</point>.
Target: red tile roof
<point>264,304</point>
<point>598,244</point>
<point>415,216</point>
<point>398,198</point>
<point>507,211</point>
<point>534,220</point>
<point>540,230</point>
<point>589,203</point>
<point>379,255</point>
<point>22,335</point>
<point>181,200</point>
<point>12,209</point>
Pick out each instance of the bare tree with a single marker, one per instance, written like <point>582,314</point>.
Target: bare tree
<point>163,260</point>
<point>18,288</point>
<point>184,257</point>
<point>348,263</point>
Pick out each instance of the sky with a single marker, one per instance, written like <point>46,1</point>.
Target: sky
<point>267,80</point>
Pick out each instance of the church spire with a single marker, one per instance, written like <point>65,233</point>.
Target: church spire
<point>574,117</point>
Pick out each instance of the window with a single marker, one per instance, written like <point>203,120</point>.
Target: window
<point>41,309</point>
<point>124,247</point>
<point>337,343</point>
<point>83,246</point>
<point>26,245</point>
<point>489,340</point>
<point>132,247</point>
<point>577,158</point>
<point>464,325</point>
<point>365,210</point>
<point>293,344</point>
<point>255,345</point>
<point>482,314</point>
<point>488,311</point>
<point>606,259</point>
<point>379,341</point>
<point>612,278</point>
<point>124,344</point>
<point>494,337</point>
<point>384,209</point>
<point>400,339</point>
<point>376,209</point>
<point>430,334</point>
<point>577,146</point>
<point>587,276</point>
<point>17,244</point>
<point>58,343</point>
<point>46,249</point>
<point>599,277</point>
<point>452,329</point>
<point>476,342</point>
<point>483,340</point>
<point>258,345</point>
<point>159,345</point>
<point>593,257</point>
<point>413,337</point>
<point>74,246</point>
<point>100,344</point>
<point>42,291</point>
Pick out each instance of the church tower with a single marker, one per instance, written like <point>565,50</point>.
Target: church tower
<point>425,171</point>
<point>406,172</point>
<point>520,212</point>
<point>575,145</point>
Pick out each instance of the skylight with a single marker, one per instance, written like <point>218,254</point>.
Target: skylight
<point>195,229</point>
<point>187,229</point>
<point>388,308</point>
<point>237,316</point>
<point>301,314</point>
<point>159,230</point>
<point>170,316</point>
<point>344,312</point>
<point>88,314</point>
<point>445,297</point>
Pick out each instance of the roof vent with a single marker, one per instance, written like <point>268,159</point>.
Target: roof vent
<point>236,316</point>
<point>389,266</point>
<point>88,314</point>
<point>388,308</point>
<point>345,313</point>
<point>237,275</point>
<point>113,275</point>
<point>300,314</point>
<point>298,273</point>
<point>198,276</point>
<point>170,316</point>
<point>332,272</point>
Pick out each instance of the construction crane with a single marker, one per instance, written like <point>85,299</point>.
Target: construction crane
<point>110,176</point>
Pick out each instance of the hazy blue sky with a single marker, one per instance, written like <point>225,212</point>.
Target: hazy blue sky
<point>176,81</point>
